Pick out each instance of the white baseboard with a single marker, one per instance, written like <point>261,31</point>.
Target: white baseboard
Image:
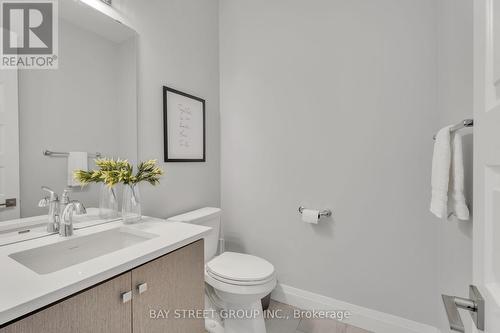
<point>371,320</point>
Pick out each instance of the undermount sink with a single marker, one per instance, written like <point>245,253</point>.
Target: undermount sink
<point>51,258</point>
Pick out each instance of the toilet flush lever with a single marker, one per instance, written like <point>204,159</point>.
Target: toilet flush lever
<point>475,305</point>
<point>9,203</point>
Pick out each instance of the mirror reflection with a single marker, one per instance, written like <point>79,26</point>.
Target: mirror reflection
<point>86,106</point>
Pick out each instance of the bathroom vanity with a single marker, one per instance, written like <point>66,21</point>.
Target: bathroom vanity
<point>105,278</point>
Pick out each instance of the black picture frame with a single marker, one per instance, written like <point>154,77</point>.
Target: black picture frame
<point>166,90</point>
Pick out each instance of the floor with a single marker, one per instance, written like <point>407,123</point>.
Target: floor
<point>305,325</point>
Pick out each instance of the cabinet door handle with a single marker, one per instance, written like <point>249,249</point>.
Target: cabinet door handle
<point>126,297</point>
<point>142,288</point>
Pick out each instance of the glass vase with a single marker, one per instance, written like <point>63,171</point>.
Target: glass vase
<point>131,206</point>
<point>108,202</point>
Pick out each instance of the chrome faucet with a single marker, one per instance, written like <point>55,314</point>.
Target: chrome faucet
<point>65,200</point>
<point>51,201</point>
<point>66,224</point>
<point>56,207</point>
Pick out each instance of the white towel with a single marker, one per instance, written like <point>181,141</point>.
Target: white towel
<point>448,176</point>
<point>77,160</point>
<point>457,200</point>
<point>441,172</point>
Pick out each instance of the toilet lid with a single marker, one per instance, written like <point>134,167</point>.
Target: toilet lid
<point>240,267</point>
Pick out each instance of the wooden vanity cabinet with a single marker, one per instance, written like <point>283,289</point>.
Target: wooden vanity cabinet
<point>171,284</point>
<point>180,278</point>
<point>95,310</point>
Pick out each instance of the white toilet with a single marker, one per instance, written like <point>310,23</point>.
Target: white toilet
<point>236,282</point>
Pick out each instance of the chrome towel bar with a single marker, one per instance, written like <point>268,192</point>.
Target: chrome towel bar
<point>463,124</point>
<point>59,154</point>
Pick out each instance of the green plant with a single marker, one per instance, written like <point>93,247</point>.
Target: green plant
<point>112,172</point>
<point>148,172</point>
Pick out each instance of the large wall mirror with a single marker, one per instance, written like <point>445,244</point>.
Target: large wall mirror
<point>88,104</point>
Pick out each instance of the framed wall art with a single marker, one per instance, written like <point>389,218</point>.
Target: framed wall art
<point>183,126</point>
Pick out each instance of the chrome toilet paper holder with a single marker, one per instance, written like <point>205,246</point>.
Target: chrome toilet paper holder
<point>322,213</point>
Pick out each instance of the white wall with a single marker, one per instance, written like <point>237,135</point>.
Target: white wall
<point>455,104</point>
<point>75,108</point>
<point>332,104</point>
<point>178,46</point>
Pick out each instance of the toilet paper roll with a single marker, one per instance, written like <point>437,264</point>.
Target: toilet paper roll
<point>310,216</point>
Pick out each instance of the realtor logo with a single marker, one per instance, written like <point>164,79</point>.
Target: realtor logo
<point>29,34</point>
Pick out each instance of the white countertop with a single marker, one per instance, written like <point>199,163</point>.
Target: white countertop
<point>23,291</point>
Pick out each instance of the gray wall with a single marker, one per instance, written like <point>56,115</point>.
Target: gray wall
<point>75,108</point>
<point>455,103</point>
<point>333,104</point>
<point>178,47</point>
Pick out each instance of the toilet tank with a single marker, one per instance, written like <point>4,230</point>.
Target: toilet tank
<point>209,217</point>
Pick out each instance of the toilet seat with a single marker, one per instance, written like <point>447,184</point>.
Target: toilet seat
<point>240,269</point>
<point>261,289</point>
<point>240,274</point>
<point>239,283</point>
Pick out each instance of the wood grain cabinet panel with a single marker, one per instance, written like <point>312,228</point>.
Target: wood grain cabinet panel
<point>96,310</point>
<point>175,283</point>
